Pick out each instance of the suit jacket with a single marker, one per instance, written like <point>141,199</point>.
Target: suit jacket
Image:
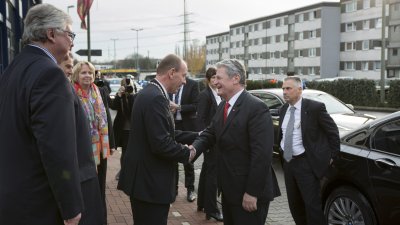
<point>206,108</point>
<point>320,134</point>
<point>123,105</point>
<point>189,105</point>
<point>148,171</point>
<point>40,180</point>
<point>244,145</point>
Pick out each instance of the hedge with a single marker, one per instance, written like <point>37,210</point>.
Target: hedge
<point>358,92</point>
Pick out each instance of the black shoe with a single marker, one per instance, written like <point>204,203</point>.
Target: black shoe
<point>217,216</point>
<point>200,209</point>
<point>191,196</point>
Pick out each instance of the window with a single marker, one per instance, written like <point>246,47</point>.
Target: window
<point>351,6</point>
<point>359,139</point>
<point>378,23</point>
<point>366,24</point>
<point>271,101</point>
<point>349,65</point>
<point>237,31</point>
<point>311,71</point>
<point>377,65</point>
<point>313,34</point>
<point>282,38</point>
<point>264,25</point>
<point>366,4</point>
<point>250,28</point>
<point>365,44</point>
<point>312,52</point>
<point>350,46</point>
<point>387,138</point>
<point>396,6</point>
<point>272,55</point>
<point>256,41</point>
<point>299,71</point>
<point>237,44</point>
<point>301,18</point>
<point>272,39</point>
<point>394,52</point>
<point>350,27</point>
<point>255,27</point>
<point>301,35</point>
<point>311,15</point>
<point>300,51</point>
<point>364,66</point>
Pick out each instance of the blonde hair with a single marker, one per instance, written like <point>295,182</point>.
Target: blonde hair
<point>77,69</point>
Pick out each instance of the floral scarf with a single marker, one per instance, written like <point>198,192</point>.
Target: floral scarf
<point>96,113</point>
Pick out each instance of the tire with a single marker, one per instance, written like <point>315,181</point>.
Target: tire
<point>347,206</point>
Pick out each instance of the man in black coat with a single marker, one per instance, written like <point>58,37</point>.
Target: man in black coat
<point>93,213</point>
<point>310,142</point>
<point>184,106</point>
<point>39,167</point>
<point>148,171</point>
<point>242,132</point>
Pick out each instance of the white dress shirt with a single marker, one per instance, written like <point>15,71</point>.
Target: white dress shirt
<point>298,147</point>
<point>233,100</point>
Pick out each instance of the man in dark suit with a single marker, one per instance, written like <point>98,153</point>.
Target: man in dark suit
<point>93,213</point>
<point>184,107</point>
<point>310,141</point>
<point>148,171</point>
<point>242,132</point>
<point>39,172</point>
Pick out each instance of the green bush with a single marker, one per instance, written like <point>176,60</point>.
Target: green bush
<point>359,92</point>
<point>393,97</point>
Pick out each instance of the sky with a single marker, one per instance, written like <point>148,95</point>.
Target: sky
<point>162,22</point>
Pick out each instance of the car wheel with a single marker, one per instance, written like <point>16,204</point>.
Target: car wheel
<point>347,206</point>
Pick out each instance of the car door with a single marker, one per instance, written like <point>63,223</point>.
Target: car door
<point>384,170</point>
<point>274,103</point>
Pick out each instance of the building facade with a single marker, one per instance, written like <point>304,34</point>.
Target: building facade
<point>12,13</point>
<point>323,40</point>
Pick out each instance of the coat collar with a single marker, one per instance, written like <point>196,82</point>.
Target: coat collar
<point>234,111</point>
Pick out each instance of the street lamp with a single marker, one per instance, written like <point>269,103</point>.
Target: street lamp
<point>137,46</point>
<point>69,7</point>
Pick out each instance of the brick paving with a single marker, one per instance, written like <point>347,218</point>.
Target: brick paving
<point>182,212</point>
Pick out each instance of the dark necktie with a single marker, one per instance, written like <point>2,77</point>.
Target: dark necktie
<point>288,151</point>
<point>226,111</point>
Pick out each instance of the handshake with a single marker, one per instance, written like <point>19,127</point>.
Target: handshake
<point>192,152</point>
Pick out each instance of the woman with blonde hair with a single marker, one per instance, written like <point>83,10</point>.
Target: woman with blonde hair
<point>90,96</point>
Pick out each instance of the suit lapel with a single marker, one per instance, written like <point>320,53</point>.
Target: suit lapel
<point>234,111</point>
<point>304,108</point>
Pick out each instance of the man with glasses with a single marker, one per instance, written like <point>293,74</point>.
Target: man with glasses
<point>39,172</point>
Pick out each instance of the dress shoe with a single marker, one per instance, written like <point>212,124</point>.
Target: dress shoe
<point>216,216</point>
<point>200,209</point>
<point>191,196</point>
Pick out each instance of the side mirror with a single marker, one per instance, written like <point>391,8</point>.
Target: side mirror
<point>350,106</point>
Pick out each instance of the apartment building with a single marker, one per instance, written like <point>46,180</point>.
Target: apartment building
<point>217,48</point>
<point>12,13</point>
<point>393,61</point>
<point>322,40</point>
<point>290,41</point>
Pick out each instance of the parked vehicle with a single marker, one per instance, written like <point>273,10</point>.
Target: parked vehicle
<point>363,185</point>
<point>345,117</point>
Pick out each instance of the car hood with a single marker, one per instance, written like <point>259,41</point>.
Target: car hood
<point>349,122</point>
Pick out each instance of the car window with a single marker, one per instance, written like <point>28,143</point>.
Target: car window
<point>271,101</point>
<point>332,104</point>
<point>359,139</point>
<point>387,138</point>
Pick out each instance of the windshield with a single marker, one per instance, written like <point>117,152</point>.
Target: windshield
<point>332,104</point>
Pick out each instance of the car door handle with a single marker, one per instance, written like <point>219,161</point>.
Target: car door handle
<point>381,163</point>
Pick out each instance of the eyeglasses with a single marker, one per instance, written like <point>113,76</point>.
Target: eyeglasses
<point>69,33</point>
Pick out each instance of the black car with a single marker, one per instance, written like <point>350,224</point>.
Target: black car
<point>363,185</point>
<point>344,116</point>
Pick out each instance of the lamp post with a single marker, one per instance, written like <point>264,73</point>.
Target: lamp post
<point>137,46</point>
<point>69,7</point>
<point>115,53</point>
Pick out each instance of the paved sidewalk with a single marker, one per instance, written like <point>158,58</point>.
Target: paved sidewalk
<point>181,212</point>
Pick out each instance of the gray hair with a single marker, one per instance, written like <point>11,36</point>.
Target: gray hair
<point>233,67</point>
<point>39,19</point>
<point>296,79</point>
